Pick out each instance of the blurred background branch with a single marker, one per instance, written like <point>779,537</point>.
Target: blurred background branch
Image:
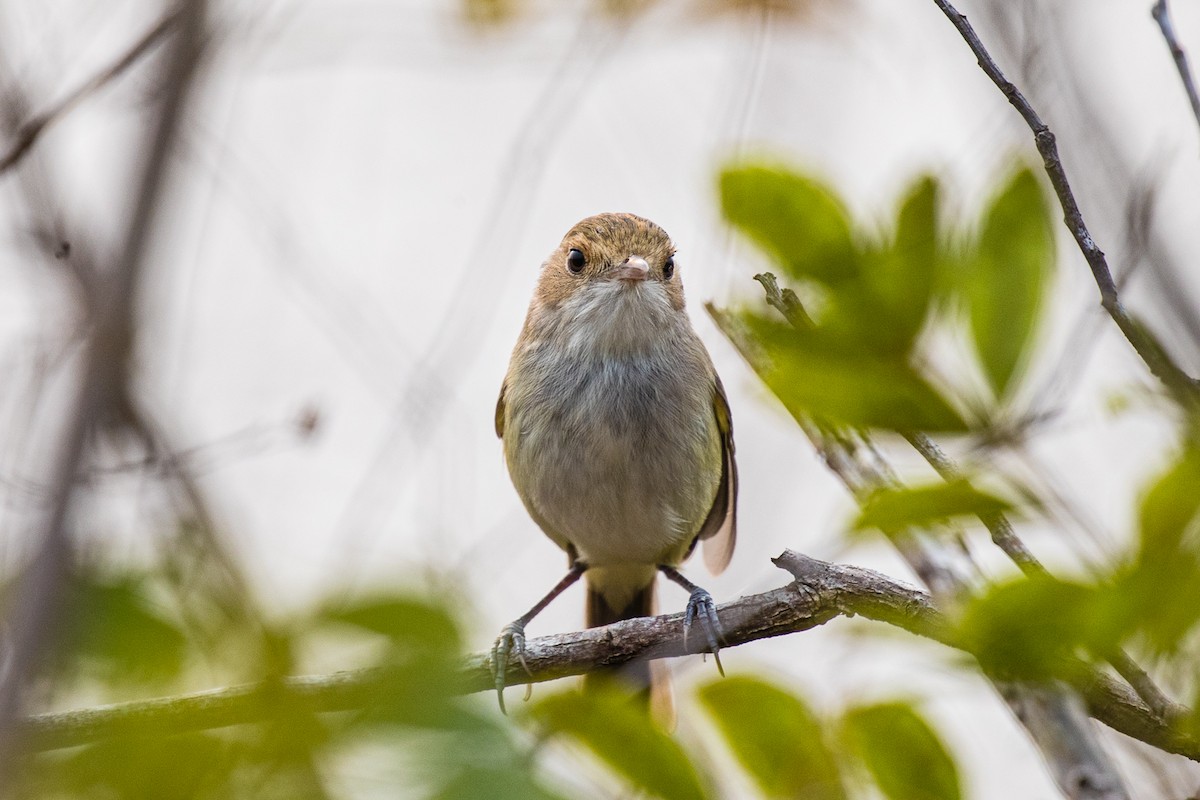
<point>1162,15</point>
<point>28,131</point>
<point>34,612</point>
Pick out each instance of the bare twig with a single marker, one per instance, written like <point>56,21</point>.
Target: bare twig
<point>33,614</point>
<point>1162,16</point>
<point>784,301</point>
<point>29,131</point>
<point>1181,386</point>
<point>820,593</point>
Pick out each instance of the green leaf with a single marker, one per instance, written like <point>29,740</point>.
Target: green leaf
<point>494,784</point>
<point>816,375</point>
<point>895,509</point>
<point>1162,589</point>
<point>1159,599</point>
<point>182,766</point>
<point>1171,509</point>
<point>1008,275</point>
<point>797,221</point>
<point>1024,629</point>
<point>115,631</point>
<point>902,753</point>
<point>409,621</point>
<point>621,734</point>
<point>775,737</point>
<point>420,667</point>
<point>863,392</point>
<point>892,300</point>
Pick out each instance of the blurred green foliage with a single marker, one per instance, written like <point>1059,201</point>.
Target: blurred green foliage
<point>860,358</point>
<point>873,296</point>
<point>894,509</point>
<point>1026,628</point>
<point>1029,626</point>
<point>1005,276</point>
<point>117,634</point>
<point>617,729</point>
<point>901,752</point>
<point>448,746</point>
<point>775,737</point>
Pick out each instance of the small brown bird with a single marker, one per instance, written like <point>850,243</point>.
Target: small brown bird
<point>616,430</point>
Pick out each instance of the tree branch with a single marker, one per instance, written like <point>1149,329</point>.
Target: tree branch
<point>1163,17</point>
<point>1147,346</point>
<point>29,131</point>
<point>820,592</point>
<point>33,615</point>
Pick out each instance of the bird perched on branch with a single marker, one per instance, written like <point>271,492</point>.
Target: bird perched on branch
<point>616,431</point>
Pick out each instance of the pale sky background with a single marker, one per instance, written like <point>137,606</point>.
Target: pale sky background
<point>366,191</point>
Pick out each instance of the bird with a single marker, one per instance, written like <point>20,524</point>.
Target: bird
<point>617,433</point>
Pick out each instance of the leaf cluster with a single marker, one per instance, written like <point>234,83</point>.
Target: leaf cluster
<point>785,749</point>
<point>873,297</point>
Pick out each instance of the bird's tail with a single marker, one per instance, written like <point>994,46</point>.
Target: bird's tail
<point>648,679</point>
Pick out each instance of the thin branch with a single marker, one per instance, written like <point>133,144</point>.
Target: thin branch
<point>1163,17</point>
<point>1147,346</point>
<point>1005,537</point>
<point>1143,341</point>
<point>784,301</point>
<point>820,592</point>
<point>34,613</point>
<point>29,131</point>
<point>997,524</point>
<point>1007,540</point>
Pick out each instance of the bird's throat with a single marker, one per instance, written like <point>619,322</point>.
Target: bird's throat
<point>613,319</point>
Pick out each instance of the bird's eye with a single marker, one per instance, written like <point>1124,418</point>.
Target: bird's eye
<point>576,261</point>
<point>669,267</point>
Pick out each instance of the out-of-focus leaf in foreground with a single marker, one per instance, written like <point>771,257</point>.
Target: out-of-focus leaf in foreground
<point>855,365</point>
<point>893,509</point>
<point>812,377</point>
<point>116,633</point>
<point>1162,589</point>
<point>1007,274</point>
<point>408,621</point>
<point>624,737</point>
<point>421,660</point>
<point>178,767</point>
<point>1025,628</point>
<point>775,737</point>
<point>902,753</point>
<point>799,222</point>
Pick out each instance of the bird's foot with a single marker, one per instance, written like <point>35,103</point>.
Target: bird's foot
<point>701,608</point>
<point>511,640</point>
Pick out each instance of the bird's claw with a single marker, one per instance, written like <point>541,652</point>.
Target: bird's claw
<point>701,607</point>
<point>511,640</point>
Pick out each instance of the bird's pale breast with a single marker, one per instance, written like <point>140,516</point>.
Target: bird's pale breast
<point>616,453</point>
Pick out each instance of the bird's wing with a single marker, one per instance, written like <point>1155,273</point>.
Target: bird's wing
<point>719,532</point>
<point>500,411</point>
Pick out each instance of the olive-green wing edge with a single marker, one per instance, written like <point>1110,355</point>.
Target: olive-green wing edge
<point>719,532</point>
<point>500,411</point>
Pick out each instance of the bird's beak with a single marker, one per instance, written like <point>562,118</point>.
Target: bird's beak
<point>634,269</point>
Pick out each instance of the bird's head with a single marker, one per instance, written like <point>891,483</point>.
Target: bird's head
<point>613,282</point>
